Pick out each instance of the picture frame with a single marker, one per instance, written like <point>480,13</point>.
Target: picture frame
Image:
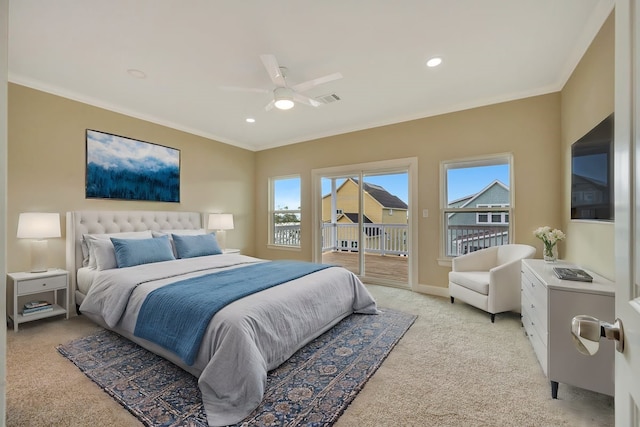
<point>123,168</point>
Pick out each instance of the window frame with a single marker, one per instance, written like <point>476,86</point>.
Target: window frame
<point>273,211</point>
<point>508,216</point>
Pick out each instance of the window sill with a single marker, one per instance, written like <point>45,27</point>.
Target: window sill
<point>444,262</point>
<point>285,248</point>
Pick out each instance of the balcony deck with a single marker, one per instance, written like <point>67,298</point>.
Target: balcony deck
<point>388,267</point>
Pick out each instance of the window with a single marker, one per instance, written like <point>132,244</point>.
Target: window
<point>476,204</point>
<point>494,218</point>
<point>285,214</point>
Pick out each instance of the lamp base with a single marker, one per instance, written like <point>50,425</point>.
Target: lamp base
<point>39,256</point>
<point>221,237</point>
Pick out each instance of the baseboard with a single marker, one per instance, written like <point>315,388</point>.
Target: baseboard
<point>438,291</point>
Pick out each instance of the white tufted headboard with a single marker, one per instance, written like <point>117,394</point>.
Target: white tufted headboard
<point>98,222</point>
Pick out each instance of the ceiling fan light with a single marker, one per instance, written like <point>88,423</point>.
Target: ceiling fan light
<point>284,104</point>
<point>283,98</point>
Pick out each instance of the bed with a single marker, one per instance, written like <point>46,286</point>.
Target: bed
<point>242,341</point>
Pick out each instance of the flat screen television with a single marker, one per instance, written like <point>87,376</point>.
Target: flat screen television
<point>592,174</point>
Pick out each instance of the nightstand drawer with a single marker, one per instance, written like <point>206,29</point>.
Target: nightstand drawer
<point>42,284</point>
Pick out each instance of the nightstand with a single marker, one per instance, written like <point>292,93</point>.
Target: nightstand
<point>231,251</point>
<point>21,285</point>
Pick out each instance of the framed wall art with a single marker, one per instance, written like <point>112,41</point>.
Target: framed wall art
<point>128,169</point>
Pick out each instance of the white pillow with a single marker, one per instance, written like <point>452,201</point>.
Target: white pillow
<point>104,253</point>
<point>89,238</point>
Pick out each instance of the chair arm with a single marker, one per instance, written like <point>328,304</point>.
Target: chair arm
<point>506,272</point>
<point>504,287</point>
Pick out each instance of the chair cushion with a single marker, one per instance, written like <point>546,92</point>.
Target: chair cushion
<point>477,281</point>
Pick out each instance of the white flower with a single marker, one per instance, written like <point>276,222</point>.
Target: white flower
<point>548,236</point>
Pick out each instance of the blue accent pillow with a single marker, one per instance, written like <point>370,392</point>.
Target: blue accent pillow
<point>194,246</point>
<point>130,252</point>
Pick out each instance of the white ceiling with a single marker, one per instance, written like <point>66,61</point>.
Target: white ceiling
<point>192,51</point>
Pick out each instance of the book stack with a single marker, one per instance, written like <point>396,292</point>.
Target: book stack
<point>34,307</point>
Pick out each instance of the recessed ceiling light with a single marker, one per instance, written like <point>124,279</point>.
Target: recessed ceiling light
<point>136,73</point>
<point>434,62</point>
<point>250,120</point>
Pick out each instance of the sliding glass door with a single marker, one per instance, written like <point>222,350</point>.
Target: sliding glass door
<point>363,218</point>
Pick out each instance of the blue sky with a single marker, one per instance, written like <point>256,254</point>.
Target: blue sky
<point>461,182</point>
<point>467,181</point>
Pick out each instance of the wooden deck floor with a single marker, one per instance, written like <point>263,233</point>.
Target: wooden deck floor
<point>388,267</point>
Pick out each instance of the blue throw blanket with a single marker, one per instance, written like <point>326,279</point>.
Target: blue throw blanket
<point>177,315</point>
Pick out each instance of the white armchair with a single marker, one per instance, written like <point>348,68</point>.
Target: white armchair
<point>489,279</point>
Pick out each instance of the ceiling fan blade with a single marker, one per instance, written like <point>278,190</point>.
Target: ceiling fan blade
<point>270,105</point>
<point>298,97</point>
<point>273,69</point>
<point>301,87</point>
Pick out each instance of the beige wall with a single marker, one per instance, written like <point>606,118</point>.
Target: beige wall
<point>587,98</point>
<point>47,169</point>
<point>528,128</point>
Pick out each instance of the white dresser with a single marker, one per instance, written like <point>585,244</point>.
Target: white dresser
<point>548,305</point>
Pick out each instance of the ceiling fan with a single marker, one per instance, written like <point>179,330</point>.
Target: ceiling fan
<point>285,96</point>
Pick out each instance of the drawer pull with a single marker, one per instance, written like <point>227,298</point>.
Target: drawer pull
<point>533,306</point>
<point>44,284</point>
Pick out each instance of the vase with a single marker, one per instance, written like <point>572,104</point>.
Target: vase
<point>550,253</point>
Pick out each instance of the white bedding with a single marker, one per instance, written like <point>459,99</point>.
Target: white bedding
<point>245,339</point>
<point>84,278</point>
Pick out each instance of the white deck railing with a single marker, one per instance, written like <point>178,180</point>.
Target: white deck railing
<point>384,239</point>
<point>391,239</point>
<point>468,238</point>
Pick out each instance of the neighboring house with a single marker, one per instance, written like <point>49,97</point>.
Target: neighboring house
<point>470,231</point>
<point>380,206</point>
<point>381,211</point>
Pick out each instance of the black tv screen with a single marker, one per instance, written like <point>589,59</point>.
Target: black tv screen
<point>592,174</point>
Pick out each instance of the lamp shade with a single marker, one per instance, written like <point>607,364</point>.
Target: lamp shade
<point>38,225</point>
<point>220,221</point>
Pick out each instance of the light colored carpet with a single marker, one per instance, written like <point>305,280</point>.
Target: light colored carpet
<point>452,368</point>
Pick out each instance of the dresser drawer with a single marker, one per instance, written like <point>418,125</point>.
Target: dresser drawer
<point>536,291</point>
<point>537,338</point>
<point>533,326</point>
<point>534,301</point>
<point>42,284</point>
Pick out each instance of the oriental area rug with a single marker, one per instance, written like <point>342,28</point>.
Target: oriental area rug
<point>312,388</point>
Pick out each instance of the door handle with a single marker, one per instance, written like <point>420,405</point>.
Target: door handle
<point>587,331</point>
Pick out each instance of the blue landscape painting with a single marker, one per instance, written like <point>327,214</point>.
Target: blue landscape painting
<point>128,169</point>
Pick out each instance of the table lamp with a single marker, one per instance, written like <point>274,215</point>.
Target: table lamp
<point>38,226</point>
<point>221,222</point>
